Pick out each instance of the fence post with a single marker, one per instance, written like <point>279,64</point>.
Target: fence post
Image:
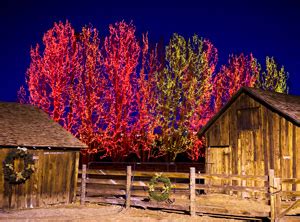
<point>128,186</point>
<point>277,185</point>
<point>192,191</point>
<point>83,184</point>
<point>272,197</point>
<point>244,194</point>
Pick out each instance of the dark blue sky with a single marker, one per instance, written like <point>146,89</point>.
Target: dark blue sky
<point>265,28</point>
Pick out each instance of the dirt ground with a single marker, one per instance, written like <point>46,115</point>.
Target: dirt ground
<point>232,204</point>
<point>95,212</point>
<point>114,213</point>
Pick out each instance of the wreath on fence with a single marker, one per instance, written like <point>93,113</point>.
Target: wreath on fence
<point>10,174</point>
<point>164,193</point>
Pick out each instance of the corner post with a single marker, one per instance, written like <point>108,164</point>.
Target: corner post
<point>192,191</point>
<point>272,197</point>
<point>244,183</point>
<point>277,186</point>
<point>83,184</point>
<point>128,186</point>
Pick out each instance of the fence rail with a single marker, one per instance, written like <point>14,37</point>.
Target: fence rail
<point>133,187</point>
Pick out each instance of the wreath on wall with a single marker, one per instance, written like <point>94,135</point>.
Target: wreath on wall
<point>13,176</point>
<point>164,192</point>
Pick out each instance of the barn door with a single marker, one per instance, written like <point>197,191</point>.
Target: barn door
<point>218,161</point>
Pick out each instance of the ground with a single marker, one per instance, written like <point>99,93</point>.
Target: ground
<point>95,212</point>
<point>113,213</point>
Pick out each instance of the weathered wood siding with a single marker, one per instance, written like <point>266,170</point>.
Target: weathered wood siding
<point>258,139</point>
<point>54,180</point>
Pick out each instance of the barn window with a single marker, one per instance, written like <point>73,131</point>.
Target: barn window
<point>248,119</point>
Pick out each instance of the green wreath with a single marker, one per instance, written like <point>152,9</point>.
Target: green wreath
<point>164,194</point>
<point>10,174</point>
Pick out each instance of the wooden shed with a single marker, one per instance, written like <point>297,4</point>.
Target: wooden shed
<point>55,152</point>
<point>255,131</point>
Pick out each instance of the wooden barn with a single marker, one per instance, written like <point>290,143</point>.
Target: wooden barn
<point>255,131</point>
<point>55,155</point>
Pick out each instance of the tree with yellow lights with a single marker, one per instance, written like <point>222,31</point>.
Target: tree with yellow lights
<point>184,87</point>
<point>274,78</point>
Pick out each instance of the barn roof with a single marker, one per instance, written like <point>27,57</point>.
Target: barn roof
<point>285,105</point>
<point>25,125</point>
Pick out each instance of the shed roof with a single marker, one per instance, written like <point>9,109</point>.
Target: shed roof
<point>26,125</point>
<point>285,105</point>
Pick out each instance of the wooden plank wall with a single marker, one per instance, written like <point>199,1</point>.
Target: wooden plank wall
<point>54,181</point>
<point>297,146</point>
<point>281,146</point>
<point>218,135</point>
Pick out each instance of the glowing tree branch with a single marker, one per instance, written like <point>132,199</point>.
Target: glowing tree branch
<point>86,90</point>
<point>122,52</point>
<point>240,71</point>
<point>181,85</point>
<point>197,86</point>
<point>49,74</point>
<point>204,57</point>
<point>65,81</point>
<point>273,79</point>
<point>146,100</point>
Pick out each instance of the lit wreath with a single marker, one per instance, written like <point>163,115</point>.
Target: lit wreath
<point>164,194</point>
<point>10,174</point>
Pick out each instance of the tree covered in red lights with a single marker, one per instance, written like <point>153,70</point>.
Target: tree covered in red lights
<point>121,57</point>
<point>64,80</point>
<point>85,90</point>
<point>146,103</point>
<point>240,71</point>
<point>50,73</point>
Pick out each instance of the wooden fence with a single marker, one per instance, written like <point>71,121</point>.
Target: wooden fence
<point>285,200</point>
<point>130,188</point>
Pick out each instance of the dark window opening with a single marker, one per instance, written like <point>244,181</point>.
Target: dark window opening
<point>248,119</point>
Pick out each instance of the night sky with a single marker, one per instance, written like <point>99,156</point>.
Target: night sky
<point>265,29</point>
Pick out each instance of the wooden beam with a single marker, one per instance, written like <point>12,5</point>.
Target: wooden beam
<point>277,185</point>
<point>192,192</point>
<point>74,185</point>
<point>291,193</point>
<point>83,184</point>
<point>231,177</point>
<point>128,186</point>
<point>243,183</point>
<point>272,197</point>
<point>105,172</point>
<point>176,175</point>
<point>136,173</point>
<point>112,182</point>
<point>291,180</point>
<point>232,188</point>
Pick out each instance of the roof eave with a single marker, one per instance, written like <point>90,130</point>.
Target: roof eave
<point>44,147</point>
<point>255,97</point>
